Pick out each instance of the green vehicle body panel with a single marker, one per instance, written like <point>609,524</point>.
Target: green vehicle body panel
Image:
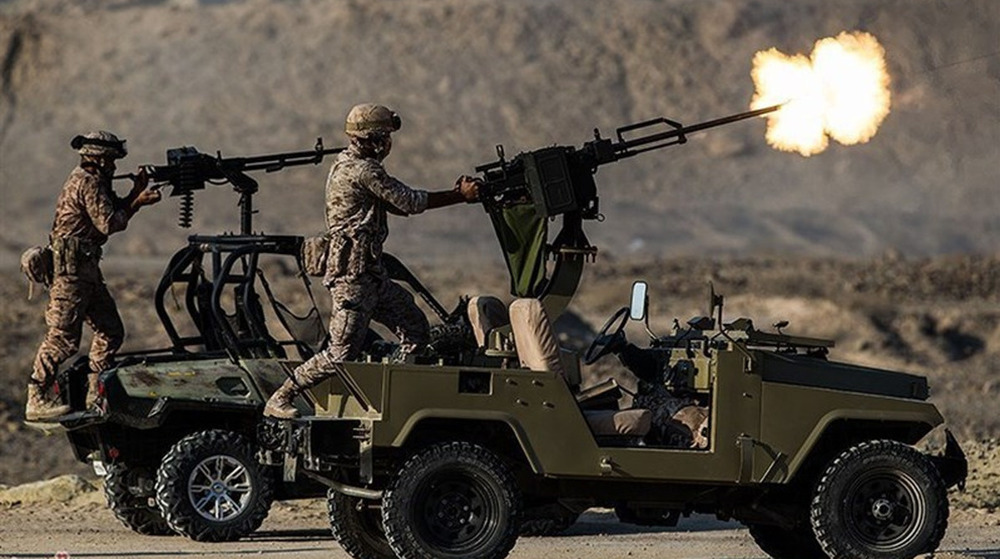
<point>760,431</point>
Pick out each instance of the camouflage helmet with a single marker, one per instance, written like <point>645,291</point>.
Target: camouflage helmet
<point>367,119</point>
<point>100,143</point>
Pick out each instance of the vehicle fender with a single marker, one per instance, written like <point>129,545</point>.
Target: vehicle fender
<point>918,421</point>
<point>412,423</point>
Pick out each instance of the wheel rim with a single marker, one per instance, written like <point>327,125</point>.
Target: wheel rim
<point>456,511</point>
<point>219,488</point>
<point>885,509</point>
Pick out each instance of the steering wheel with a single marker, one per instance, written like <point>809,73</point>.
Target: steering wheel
<point>605,340</point>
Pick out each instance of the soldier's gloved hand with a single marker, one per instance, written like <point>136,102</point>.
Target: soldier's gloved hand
<point>468,187</point>
<point>140,181</point>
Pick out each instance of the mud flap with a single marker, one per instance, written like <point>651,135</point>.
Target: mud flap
<point>952,465</point>
<point>746,444</point>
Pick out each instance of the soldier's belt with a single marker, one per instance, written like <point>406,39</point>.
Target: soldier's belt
<point>68,253</point>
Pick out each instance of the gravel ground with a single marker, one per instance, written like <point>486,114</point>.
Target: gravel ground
<point>87,529</point>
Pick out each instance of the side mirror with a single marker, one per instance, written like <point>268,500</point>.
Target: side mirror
<point>640,300</point>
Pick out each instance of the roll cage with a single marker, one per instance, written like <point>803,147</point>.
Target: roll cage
<point>221,281</point>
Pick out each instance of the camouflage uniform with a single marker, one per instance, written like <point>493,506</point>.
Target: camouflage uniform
<point>86,213</point>
<point>359,194</point>
<point>678,422</point>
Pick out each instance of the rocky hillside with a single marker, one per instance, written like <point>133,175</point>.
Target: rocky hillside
<point>935,317</point>
<point>253,76</point>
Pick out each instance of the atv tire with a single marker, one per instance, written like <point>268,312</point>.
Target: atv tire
<point>780,543</point>
<point>210,487</point>
<point>130,505</point>
<point>880,500</point>
<point>357,527</point>
<point>455,500</point>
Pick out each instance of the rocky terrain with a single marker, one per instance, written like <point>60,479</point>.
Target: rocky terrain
<point>938,317</point>
<point>253,76</point>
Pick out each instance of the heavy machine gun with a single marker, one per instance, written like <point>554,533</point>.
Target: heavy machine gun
<point>522,193</point>
<point>188,170</point>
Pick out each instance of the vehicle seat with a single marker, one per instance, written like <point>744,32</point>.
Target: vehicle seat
<point>485,314</point>
<point>538,350</point>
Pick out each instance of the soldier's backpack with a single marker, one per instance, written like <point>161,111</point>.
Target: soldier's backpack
<point>314,255</point>
<point>36,265</point>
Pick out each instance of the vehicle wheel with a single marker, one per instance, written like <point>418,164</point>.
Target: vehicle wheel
<point>130,493</point>
<point>880,500</point>
<point>357,527</point>
<point>456,500</point>
<point>547,520</point>
<point>780,543</point>
<point>210,487</point>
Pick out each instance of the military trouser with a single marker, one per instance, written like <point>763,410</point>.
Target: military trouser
<point>356,302</point>
<point>73,301</point>
<point>677,422</point>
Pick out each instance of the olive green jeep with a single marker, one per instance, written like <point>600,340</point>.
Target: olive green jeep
<point>442,460</point>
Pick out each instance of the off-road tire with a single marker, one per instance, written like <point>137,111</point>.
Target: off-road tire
<point>357,528</point>
<point>880,500</point>
<point>178,471</point>
<point>780,543</point>
<point>545,522</point>
<point>134,511</point>
<point>454,499</point>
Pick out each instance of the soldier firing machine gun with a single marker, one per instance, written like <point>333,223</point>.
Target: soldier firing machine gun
<point>187,170</point>
<point>522,193</point>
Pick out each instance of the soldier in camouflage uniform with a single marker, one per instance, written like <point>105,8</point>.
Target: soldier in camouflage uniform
<point>678,421</point>
<point>359,195</point>
<point>87,212</point>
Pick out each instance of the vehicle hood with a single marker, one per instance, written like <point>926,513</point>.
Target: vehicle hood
<point>802,370</point>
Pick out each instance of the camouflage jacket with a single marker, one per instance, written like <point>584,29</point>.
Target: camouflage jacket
<point>88,209</point>
<point>359,194</point>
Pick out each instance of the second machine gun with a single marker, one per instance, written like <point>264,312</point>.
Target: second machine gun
<point>187,170</point>
<point>522,193</point>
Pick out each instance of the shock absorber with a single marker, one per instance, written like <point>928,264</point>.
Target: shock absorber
<point>186,210</point>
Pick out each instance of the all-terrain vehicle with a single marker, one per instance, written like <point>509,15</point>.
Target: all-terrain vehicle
<point>175,436</point>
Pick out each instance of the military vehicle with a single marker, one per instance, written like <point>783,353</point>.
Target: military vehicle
<point>448,452</point>
<point>441,459</point>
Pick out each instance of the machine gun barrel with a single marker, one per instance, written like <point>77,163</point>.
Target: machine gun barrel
<point>559,180</point>
<point>678,135</point>
<point>269,163</point>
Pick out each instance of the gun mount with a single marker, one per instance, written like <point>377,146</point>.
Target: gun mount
<point>188,170</point>
<point>522,193</point>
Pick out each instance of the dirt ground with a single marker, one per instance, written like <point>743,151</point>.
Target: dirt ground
<point>68,514</point>
<point>299,530</point>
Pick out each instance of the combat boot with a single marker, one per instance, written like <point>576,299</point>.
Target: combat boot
<point>43,405</point>
<point>92,391</point>
<point>279,406</point>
